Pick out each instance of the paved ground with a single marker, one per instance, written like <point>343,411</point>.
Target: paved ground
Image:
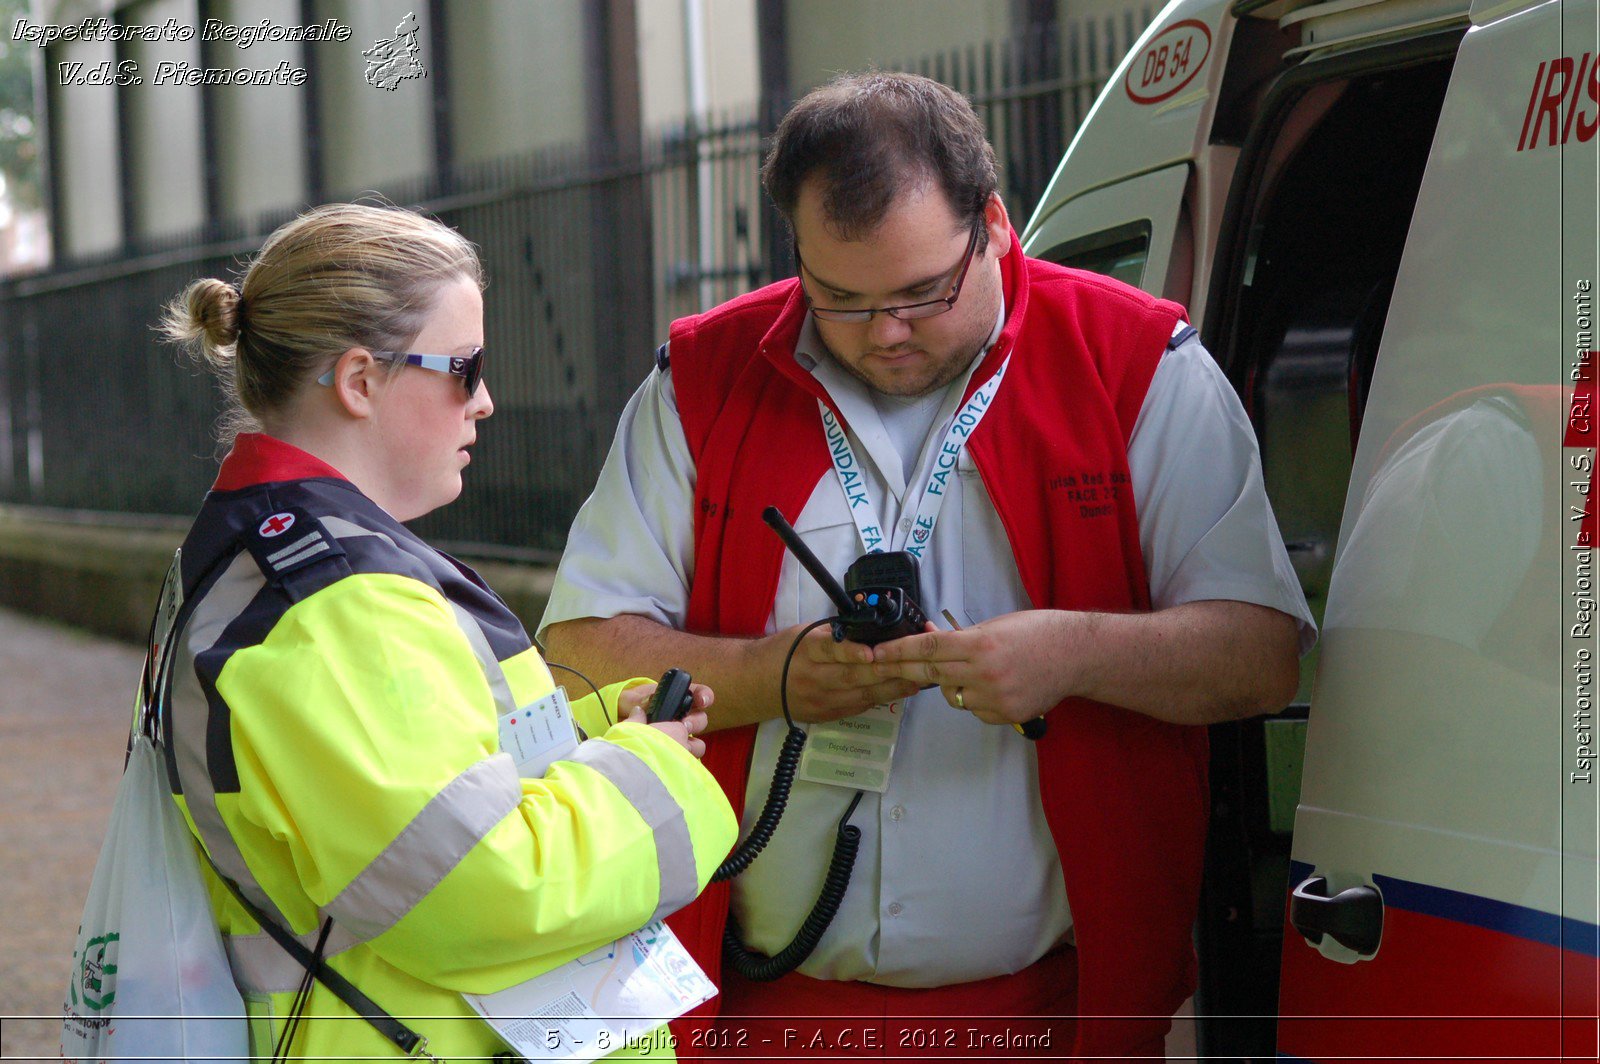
<point>65,700</point>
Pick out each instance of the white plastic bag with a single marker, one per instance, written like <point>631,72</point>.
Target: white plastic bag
<point>150,978</point>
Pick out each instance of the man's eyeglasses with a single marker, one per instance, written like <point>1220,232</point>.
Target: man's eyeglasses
<point>907,312</point>
<point>468,367</point>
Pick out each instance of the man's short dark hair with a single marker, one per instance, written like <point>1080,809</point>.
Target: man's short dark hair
<point>868,138</point>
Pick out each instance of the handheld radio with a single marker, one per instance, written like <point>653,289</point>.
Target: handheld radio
<point>879,599</point>
<point>672,700</point>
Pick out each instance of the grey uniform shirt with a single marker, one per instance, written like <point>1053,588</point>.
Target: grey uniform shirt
<point>957,877</point>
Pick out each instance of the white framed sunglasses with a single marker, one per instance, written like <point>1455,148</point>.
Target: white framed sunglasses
<point>468,367</point>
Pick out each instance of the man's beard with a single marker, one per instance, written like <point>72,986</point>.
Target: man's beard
<point>946,373</point>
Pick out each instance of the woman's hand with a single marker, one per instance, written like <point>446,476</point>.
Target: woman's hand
<point>631,708</point>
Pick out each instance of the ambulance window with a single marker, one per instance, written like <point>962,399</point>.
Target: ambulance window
<point>1302,411</point>
<point>1120,252</point>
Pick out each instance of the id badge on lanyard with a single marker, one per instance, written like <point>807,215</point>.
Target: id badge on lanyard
<point>857,752</point>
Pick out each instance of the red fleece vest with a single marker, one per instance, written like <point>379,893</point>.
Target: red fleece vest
<point>1124,794</point>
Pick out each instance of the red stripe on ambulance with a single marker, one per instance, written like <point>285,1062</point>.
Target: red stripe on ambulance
<point>1512,997</point>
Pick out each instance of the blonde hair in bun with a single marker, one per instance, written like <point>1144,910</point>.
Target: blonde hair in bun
<point>339,276</point>
<point>205,317</point>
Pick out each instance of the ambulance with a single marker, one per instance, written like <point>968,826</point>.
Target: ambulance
<point>1381,215</point>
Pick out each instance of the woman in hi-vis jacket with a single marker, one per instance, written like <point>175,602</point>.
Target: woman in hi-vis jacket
<point>337,685</point>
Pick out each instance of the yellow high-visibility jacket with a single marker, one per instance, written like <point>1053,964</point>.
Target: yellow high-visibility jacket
<point>331,729</point>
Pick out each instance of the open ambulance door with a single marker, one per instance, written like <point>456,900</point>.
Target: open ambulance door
<point>1443,894</point>
<point>1140,197</point>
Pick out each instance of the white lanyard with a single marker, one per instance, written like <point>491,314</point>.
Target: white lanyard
<point>914,537</point>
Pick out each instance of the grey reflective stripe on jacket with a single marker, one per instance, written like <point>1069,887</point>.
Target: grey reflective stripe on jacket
<point>445,831</point>
<point>190,716</point>
<point>660,811</point>
<point>499,686</point>
<point>261,966</point>
<point>437,839</point>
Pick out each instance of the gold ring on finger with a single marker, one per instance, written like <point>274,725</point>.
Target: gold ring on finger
<point>961,702</point>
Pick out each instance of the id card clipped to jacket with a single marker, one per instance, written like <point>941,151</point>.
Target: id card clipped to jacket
<point>539,734</point>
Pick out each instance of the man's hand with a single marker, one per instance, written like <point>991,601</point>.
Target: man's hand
<point>1004,671</point>
<point>1197,663</point>
<point>828,680</point>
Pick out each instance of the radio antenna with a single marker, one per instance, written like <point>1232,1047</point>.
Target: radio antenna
<point>803,555</point>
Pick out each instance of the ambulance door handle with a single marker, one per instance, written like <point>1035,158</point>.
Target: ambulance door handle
<point>1353,917</point>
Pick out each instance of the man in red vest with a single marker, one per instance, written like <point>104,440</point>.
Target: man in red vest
<point>1082,493</point>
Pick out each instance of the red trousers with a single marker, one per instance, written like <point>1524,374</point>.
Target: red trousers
<point>1029,1015</point>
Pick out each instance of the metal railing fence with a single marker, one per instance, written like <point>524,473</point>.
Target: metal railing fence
<point>590,254</point>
